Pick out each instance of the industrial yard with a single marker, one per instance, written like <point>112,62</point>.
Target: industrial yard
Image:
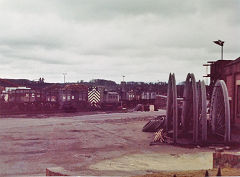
<point>97,144</point>
<point>119,88</point>
<point>195,129</point>
<point>187,135</point>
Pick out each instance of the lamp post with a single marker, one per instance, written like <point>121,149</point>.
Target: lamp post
<point>219,42</point>
<point>123,78</point>
<point>64,75</point>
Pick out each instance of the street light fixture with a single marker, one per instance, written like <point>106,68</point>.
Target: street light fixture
<point>219,42</point>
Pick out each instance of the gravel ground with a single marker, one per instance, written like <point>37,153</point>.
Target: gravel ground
<point>81,144</point>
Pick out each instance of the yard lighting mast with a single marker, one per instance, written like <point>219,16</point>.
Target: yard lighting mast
<point>123,78</point>
<point>64,75</point>
<point>219,42</point>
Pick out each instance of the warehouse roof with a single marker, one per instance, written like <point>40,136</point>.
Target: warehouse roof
<point>234,62</point>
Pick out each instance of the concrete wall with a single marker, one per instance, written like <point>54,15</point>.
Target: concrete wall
<point>226,159</point>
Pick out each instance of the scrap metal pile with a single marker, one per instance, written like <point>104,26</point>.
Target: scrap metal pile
<point>154,124</point>
<point>192,121</point>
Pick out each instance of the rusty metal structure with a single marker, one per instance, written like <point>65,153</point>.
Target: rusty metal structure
<point>172,116</point>
<point>216,71</point>
<point>194,122</point>
<point>220,111</point>
<point>229,72</point>
<point>190,107</point>
<point>202,111</point>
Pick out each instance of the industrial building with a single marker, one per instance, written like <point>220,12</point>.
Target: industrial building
<point>229,71</point>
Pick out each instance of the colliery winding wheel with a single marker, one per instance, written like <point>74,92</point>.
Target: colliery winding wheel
<point>171,117</point>
<point>190,107</point>
<point>202,111</point>
<point>220,111</point>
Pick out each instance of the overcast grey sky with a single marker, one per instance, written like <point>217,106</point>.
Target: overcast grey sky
<point>141,39</point>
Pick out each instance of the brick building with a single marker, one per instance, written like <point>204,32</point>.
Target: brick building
<point>232,79</point>
<point>229,71</point>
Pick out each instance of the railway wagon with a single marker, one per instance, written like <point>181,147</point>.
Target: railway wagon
<point>26,100</point>
<point>111,100</point>
<point>101,98</point>
<point>67,97</point>
<point>74,97</point>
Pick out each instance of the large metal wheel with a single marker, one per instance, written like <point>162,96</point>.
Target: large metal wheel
<point>190,107</point>
<point>171,116</point>
<point>220,111</point>
<point>202,111</point>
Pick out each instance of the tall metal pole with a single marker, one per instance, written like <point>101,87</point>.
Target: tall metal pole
<point>222,52</point>
<point>221,43</point>
<point>123,78</point>
<point>64,74</point>
<point>206,75</point>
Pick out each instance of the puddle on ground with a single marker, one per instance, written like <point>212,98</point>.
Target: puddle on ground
<point>157,162</point>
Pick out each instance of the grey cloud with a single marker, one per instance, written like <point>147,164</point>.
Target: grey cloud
<point>107,9</point>
<point>142,39</point>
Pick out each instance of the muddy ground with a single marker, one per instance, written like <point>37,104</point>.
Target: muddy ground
<point>99,144</point>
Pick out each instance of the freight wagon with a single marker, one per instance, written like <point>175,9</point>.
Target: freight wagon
<point>70,97</point>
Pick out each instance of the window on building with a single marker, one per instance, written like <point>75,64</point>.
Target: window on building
<point>54,98</point>
<point>81,97</point>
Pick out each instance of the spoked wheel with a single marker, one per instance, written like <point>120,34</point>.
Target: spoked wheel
<point>171,117</point>
<point>220,111</point>
<point>190,108</point>
<point>202,111</point>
